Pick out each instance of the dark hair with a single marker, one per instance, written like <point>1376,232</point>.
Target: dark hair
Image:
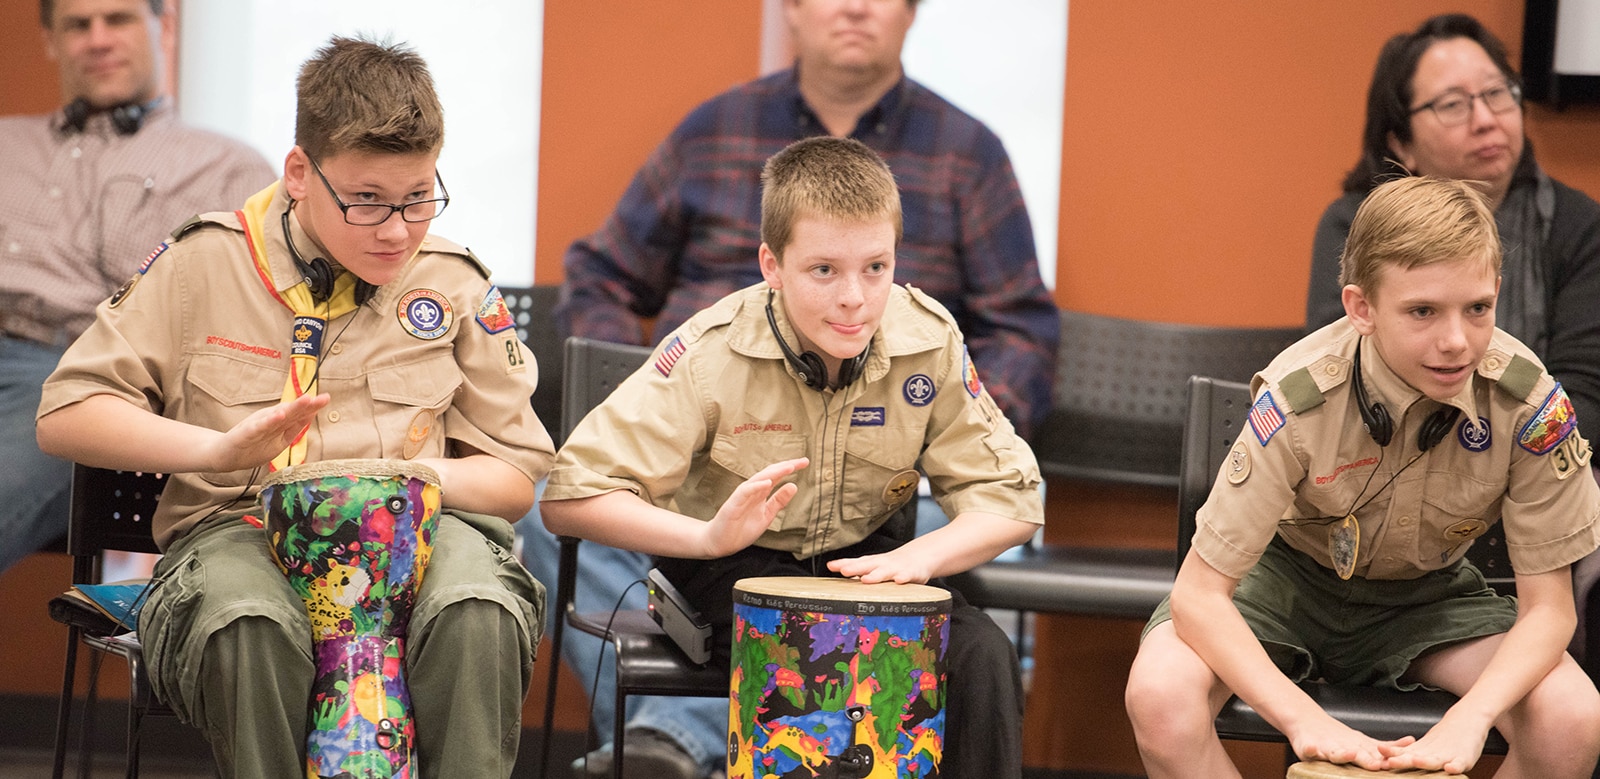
<point>1389,97</point>
<point>47,10</point>
<point>360,95</point>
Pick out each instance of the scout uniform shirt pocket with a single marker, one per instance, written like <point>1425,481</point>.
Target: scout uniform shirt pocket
<point>1456,509</point>
<point>230,389</point>
<point>409,403</point>
<point>879,474</point>
<point>735,458</point>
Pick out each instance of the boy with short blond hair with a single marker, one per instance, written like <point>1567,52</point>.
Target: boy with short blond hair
<point>777,431</point>
<point>321,321</point>
<point>1333,543</point>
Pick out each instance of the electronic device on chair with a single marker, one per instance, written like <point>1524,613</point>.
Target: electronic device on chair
<point>682,623</point>
<point>319,274</point>
<point>809,365</point>
<point>1381,426</point>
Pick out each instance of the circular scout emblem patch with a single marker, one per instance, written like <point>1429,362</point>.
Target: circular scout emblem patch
<point>1466,529</point>
<point>425,314</point>
<point>901,487</point>
<point>1474,437</point>
<point>1238,464</point>
<point>417,434</point>
<point>918,390</point>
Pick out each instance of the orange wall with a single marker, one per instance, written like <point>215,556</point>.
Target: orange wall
<point>617,77</point>
<point>29,82</point>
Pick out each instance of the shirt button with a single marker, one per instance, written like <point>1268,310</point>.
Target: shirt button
<point>1332,369</point>
<point>1388,559</point>
<point>1405,522</point>
<point>55,192</point>
<point>333,416</point>
<point>336,349</point>
<point>14,247</point>
<point>1493,363</point>
<point>76,152</point>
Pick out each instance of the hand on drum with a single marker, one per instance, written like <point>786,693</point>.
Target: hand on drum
<point>747,513</point>
<point>898,565</point>
<point>1454,750</point>
<point>1332,741</point>
<point>261,436</point>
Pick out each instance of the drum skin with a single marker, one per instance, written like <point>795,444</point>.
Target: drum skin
<point>353,538</point>
<point>834,678</point>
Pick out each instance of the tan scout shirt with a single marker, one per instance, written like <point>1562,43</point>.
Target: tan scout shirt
<point>199,338</point>
<point>718,403</point>
<point>1519,463</point>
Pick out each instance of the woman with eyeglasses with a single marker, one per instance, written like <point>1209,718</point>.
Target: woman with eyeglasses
<point>1444,101</point>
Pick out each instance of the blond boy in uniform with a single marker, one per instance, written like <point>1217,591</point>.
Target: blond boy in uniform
<point>1332,543</point>
<point>725,457</point>
<point>321,321</point>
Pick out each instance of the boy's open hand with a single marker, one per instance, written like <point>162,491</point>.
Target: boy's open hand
<point>1332,741</point>
<point>261,436</point>
<point>1445,747</point>
<point>747,513</point>
<point>896,565</point>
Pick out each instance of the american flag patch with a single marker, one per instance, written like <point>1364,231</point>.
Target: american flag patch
<point>669,356</point>
<point>144,266</point>
<point>1265,418</point>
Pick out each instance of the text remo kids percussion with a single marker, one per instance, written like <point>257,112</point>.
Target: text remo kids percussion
<point>832,677</point>
<point>353,538</point>
<point>1316,769</point>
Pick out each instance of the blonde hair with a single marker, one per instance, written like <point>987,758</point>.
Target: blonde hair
<point>833,178</point>
<point>357,95</point>
<point>1415,221</point>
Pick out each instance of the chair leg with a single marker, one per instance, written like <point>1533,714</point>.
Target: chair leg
<point>553,677</point>
<point>135,719</point>
<point>86,735</point>
<point>64,708</point>
<point>618,726</point>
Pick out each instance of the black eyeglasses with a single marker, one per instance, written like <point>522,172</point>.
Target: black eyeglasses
<point>1455,106</point>
<point>372,214</point>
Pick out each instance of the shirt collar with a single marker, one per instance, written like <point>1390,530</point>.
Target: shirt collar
<point>874,123</point>
<point>1386,387</point>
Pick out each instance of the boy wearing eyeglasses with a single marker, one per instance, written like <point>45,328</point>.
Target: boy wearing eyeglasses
<point>321,321</point>
<point>1332,544</point>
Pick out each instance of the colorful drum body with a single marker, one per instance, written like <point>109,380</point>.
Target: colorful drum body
<point>353,538</point>
<point>832,677</point>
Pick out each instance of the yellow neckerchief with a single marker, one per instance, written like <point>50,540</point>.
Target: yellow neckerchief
<point>305,336</point>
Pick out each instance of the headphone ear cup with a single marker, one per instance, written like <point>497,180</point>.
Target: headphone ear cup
<point>319,278</point>
<point>816,372</point>
<point>75,115</point>
<point>1378,423</point>
<point>364,291</point>
<point>127,118</point>
<point>1436,427</point>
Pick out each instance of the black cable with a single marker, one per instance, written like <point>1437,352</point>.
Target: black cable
<point>592,735</point>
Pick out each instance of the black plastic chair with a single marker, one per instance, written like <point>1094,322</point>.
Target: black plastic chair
<point>647,662</point>
<point>1117,419</point>
<point>110,510</point>
<point>533,308</point>
<point>1217,412</point>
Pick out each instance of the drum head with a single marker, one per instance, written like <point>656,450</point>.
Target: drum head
<point>1316,769</point>
<point>840,589</point>
<point>372,468</point>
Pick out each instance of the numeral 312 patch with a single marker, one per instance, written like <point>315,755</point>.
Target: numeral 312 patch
<point>1570,456</point>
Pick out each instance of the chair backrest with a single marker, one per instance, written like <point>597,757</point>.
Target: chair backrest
<point>593,370</point>
<point>1217,412</point>
<point>1119,405</point>
<point>533,309</point>
<point>110,510</point>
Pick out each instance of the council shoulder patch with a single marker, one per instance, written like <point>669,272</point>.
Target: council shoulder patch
<point>1554,420</point>
<point>493,315</point>
<point>1265,418</point>
<point>670,354</point>
<point>425,314</point>
<point>969,373</point>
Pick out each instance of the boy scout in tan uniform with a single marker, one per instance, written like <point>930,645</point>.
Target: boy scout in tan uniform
<point>680,460</point>
<point>1376,450</point>
<point>289,332</point>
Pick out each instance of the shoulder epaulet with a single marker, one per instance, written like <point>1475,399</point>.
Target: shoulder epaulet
<point>1516,375</point>
<point>933,306</point>
<point>1303,389</point>
<point>215,218</point>
<point>434,243</point>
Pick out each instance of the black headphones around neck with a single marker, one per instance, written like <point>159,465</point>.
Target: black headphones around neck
<point>126,119</point>
<point>1381,426</point>
<point>319,274</point>
<point>810,366</point>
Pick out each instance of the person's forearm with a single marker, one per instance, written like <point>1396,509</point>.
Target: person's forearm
<point>624,520</point>
<point>106,431</point>
<point>1533,646</point>
<point>483,484</point>
<point>969,540</point>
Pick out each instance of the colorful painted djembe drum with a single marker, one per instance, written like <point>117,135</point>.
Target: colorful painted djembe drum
<point>836,678</point>
<point>353,537</point>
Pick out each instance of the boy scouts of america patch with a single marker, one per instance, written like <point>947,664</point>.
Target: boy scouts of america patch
<point>127,286</point>
<point>1265,418</point>
<point>1550,424</point>
<point>425,314</point>
<point>493,314</point>
<point>669,356</point>
<point>969,373</point>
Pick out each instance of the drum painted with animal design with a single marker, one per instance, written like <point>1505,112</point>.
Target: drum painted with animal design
<point>835,678</point>
<point>353,537</point>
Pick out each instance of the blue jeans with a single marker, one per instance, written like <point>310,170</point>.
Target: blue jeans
<point>34,485</point>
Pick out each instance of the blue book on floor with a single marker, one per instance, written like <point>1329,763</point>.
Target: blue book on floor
<point>120,601</point>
